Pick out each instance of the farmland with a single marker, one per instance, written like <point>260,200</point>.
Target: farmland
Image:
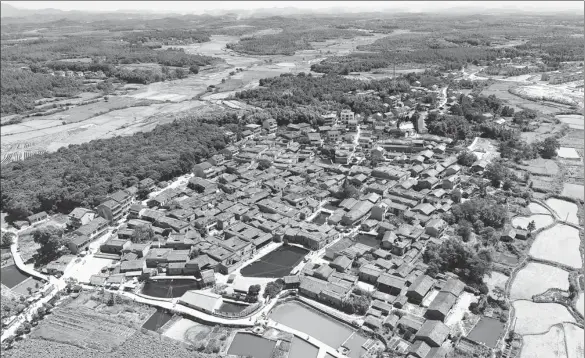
<point>536,318</point>
<point>536,278</point>
<point>565,210</point>
<point>558,244</point>
<point>548,345</point>
<point>540,221</point>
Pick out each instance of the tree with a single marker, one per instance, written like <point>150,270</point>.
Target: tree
<point>143,233</point>
<point>254,290</point>
<point>496,172</point>
<point>7,239</point>
<point>465,230</point>
<point>273,288</point>
<point>548,147</point>
<point>194,69</point>
<point>531,226</point>
<point>264,164</point>
<point>350,191</point>
<point>51,239</point>
<point>180,73</point>
<point>466,158</point>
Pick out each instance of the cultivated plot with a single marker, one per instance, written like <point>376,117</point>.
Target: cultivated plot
<point>558,244</point>
<point>574,340</point>
<point>537,278</point>
<point>565,210</point>
<point>537,318</point>
<point>548,345</point>
<point>575,191</point>
<point>540,221</point>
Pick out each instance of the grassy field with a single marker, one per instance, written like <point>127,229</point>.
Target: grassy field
<point>536,278</point>
<point>537,318</point>
<point>558,244</point>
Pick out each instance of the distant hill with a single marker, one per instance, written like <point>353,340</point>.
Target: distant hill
<point>7,10</point>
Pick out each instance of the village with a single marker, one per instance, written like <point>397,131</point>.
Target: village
<point>267,208</point>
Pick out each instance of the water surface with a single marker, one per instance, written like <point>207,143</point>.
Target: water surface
<point>11,276</point>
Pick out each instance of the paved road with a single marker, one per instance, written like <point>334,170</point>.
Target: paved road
<point>26,315</point>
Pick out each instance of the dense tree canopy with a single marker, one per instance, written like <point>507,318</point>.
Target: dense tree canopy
<point>452,255</point>
<point>82,175</point>
<point>487,210</point>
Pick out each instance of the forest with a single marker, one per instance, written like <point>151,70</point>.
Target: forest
<point>290,41</point>
<point>20,89</point>
<point>320,94</point>
<point>82,175</point>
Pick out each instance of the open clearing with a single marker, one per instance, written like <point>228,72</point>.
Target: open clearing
<point>558,94</point>
<point>537,318</point>
<point>496,280</point>
<point>119,122</point>
<point>574,340</point>
<point>536,208</point>
<point>535,279</point>
<point>500,90</point>
<point>90,266</point>
<point>540,221</point>
<point>565,210</point>
<point>178,329</point>
<point>460,308</point>
<point>548,345</point>
<point>541,166</point>
<point>575,191</point>
<point>558,244</point>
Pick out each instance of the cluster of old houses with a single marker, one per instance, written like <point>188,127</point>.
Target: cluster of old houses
<point>270,188</point>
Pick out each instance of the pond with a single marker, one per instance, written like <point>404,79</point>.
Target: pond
<point>11,276</point>
<point>246,344</point>
<point>157,320</point>
<point>320,326</point>
<point>321,218</point>
<point>168,288</point>
<point>231,307</point>
<point>302,349</point>
<point>278,263</point>
<point>487,331</point>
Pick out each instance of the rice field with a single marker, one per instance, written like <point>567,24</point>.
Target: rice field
<point>536,208</point>
<point>558,244</point>
<point>540,221</point>
<point>575,121</point>
<point>568,153</point>
<point>565,210</point>
<point>537,278</point>
<point>575,191</point>
<point>548,345</point>
<point>537,318</point>
<point>574,341</point>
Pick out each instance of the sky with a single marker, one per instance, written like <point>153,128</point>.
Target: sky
<point>201,6</point>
